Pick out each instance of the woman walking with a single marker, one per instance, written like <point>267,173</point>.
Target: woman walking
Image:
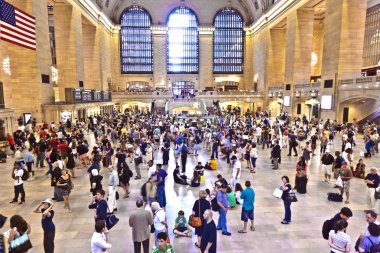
<point>64,182</point>
<point>254,155</point>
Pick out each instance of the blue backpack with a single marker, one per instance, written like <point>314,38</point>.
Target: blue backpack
<point>375,247</point>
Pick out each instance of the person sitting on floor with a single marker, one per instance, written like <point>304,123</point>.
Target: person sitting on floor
<point>178,178</point>
<point>181,228</point>
<point>196,180</point>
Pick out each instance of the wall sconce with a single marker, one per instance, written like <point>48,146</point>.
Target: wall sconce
<point>313,93</point>
<point>298,94</point>
<point>279,94</point>
<point>7,66</point>
<point>54,74</point>
<point>270,95</point>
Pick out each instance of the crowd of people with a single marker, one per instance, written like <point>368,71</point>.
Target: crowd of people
<point>130,143</point>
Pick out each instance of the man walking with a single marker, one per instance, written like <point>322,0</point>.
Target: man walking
<point>236,171</point>
<point>372,180</point>
<point>223,204</point>
<point>161,175</point>
<point>327,165</point>
<point>208,241</point>
<point>18,183</point>
<point>184,152</point>
<point>113,182</point>
<point>276,154</point>
<point>247,211</point>
<point>140,220</point>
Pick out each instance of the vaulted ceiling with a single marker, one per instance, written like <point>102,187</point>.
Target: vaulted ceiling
<point>205,9</point>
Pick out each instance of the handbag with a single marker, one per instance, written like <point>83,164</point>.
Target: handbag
<point>138,160</point>
<point>20,244</point>
<point>111,220</point>
<point>194,221</point>
<point>292,196</point>
<point>377,194</point>
<point>152,229</point>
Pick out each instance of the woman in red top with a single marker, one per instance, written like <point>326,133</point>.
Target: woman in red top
<point>11,142</point>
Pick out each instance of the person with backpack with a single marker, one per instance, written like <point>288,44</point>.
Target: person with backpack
<point>345,214</point>
<point>339,241</point>
<point>19,175</point>
<point>184,152</point>
<point>371,243</point>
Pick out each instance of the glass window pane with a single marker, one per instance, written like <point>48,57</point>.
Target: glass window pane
<point>182,41</point>
<point>228,42</point>
<point>136,41</point>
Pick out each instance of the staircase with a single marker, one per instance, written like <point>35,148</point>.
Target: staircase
<point>373,118</point>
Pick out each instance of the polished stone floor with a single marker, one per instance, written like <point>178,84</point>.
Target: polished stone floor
<point>74,230</point>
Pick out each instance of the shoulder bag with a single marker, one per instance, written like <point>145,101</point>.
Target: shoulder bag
<point>292,196</point>
<point>20,244</point>
<point>377,193</point>
<point>194,221</point>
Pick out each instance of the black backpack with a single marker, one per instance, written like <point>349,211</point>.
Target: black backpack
<point>326,229</point>
<point>375,247</point>
<point>214,204</point>
<point>184,150</point>
<point>25,175</point>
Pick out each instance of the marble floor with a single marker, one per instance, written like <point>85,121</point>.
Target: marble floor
<point>74,230</point>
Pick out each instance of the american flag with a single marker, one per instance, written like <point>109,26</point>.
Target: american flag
<point>16,26</point>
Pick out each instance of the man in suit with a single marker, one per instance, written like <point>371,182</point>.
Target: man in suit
<point>140,220</point>
<point>276,155</point>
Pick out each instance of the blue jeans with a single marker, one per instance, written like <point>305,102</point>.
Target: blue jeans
<point>253,160</point>
<point>161,197</point>
<point>222,222</point>
<point>288,212</point>
<point>214,151</point>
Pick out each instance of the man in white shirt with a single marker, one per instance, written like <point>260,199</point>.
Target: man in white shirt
<point>18,183</point>
<point>99,240</point>
<point>113,182</point>
<point>236,171</point>
<point>159,220</point>
<point>152,169</point>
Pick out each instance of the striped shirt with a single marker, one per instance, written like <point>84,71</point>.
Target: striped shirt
<point>339,239</point>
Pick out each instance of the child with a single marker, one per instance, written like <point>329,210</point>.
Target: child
<point>181,228</point>
<point>231,197</point>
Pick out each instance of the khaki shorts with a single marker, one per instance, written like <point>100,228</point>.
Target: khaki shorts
<point>346,186</point>
<point>327,169</point>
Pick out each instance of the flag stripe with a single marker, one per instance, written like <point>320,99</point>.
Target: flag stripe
<point>17,29</point>
<point>25,22</point>
<point>17,42</point>
<point>26,15</point>
<point>25,28</point>
<point>15,35</point>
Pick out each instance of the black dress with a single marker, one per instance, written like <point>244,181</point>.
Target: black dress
<point>70,161</point>
<point>200,205</point>
<point>125,176</point>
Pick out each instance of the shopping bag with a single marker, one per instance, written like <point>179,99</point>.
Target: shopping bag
<point>339,182</point>
<point>202,178</point>
<point>277,193</point>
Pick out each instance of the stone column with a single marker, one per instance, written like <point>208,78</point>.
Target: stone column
<point>69,47</point>
<point>248,62</point>
<point>342,44</point>
<point>91,55</point>
<point>27,65</point>
<point>299,43</point>
<point>104,47</point>
<point>159,57</point>
<point>276,55</point>
<point>205,61</point>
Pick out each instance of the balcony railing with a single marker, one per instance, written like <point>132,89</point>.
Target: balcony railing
<point>357,82</point>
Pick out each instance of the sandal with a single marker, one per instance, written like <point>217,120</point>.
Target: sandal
<point>347,202</point>
<point>242,231</point>
<point>252,171</point>
<point>252,228</point>
<point>196,245</point>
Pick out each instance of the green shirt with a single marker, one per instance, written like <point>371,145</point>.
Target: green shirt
<point>183,224</point>
<point>169,249</point>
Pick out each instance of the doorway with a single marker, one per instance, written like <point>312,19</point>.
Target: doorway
<point>346,111</point>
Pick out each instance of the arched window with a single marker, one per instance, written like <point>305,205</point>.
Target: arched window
<point>228,42</point>
<point>136,52</point>
<point>182,41</point>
